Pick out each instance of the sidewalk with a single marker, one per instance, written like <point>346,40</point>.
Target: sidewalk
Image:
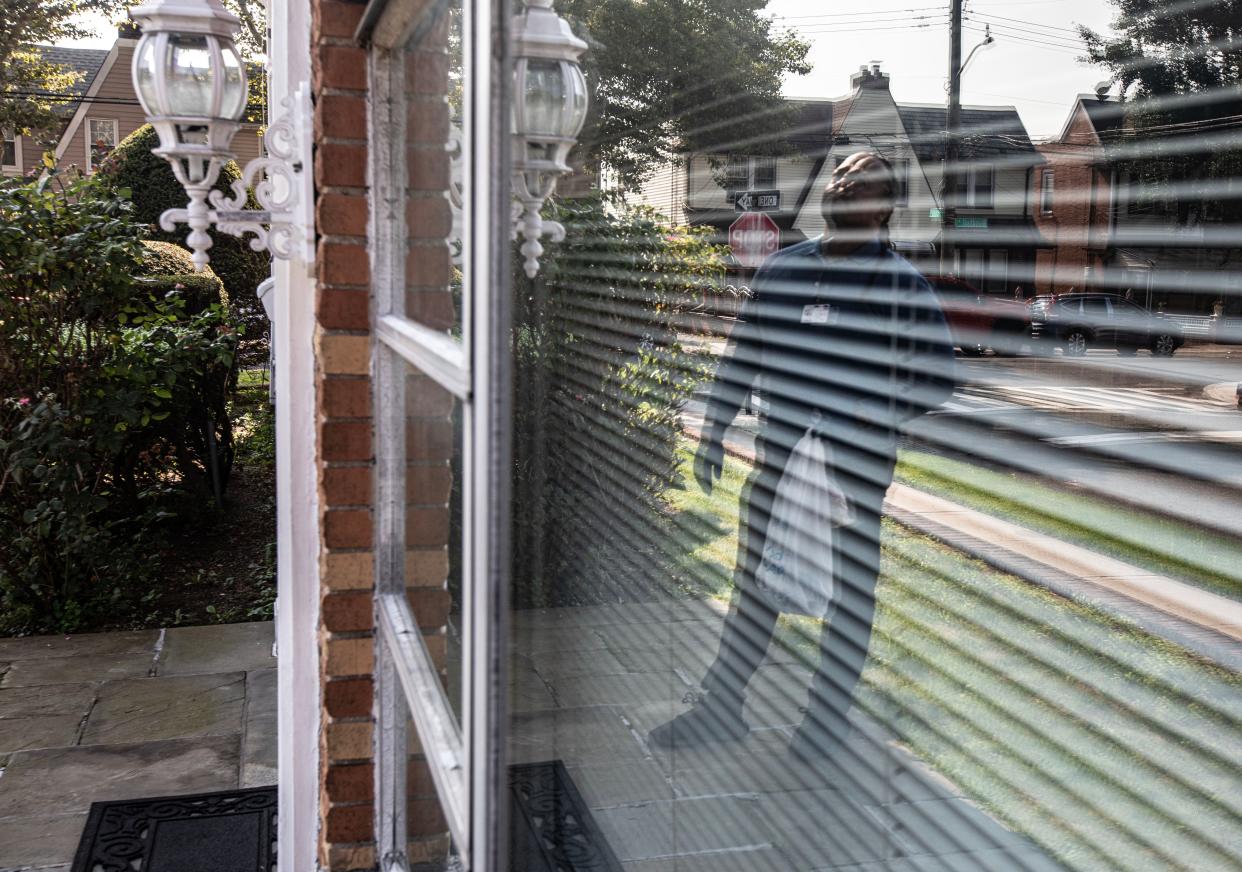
<point>107,716</point>
<point>1201,621</point>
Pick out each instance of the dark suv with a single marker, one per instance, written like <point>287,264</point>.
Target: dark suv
<point>1076,322</point>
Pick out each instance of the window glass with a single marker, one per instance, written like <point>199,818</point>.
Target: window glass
<point>808,573</point>
<point>101,139</point>
<point>8,151</point>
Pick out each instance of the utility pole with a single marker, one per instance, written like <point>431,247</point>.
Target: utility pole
<point>949,175</point>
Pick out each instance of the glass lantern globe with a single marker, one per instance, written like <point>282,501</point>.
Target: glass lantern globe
<point>191,83</point>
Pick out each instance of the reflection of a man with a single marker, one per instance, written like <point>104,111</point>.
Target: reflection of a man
<point>844,327</point>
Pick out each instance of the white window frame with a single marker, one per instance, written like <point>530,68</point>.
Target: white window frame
<point>969,177</point>
<point>1047,185</point>
<point>466,758</point>
<point>86,133</point>
<point>16,139</point>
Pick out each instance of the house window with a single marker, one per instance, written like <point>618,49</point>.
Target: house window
<point>100,140</point>
<point>744,173</point>
<point>9,158</point>
<point>737,173</point>
<point>901,174</point>
<point>763,173</point>
<point>975,185</point>
<point>1045,192</point>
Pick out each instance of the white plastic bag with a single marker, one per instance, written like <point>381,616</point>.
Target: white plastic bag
<point>795,574</point>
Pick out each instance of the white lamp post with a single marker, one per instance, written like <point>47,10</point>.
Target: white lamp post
<point>192,85</point>
<point>549,108</point>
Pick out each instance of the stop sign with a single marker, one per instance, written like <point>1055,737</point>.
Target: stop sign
<point>753,237</point>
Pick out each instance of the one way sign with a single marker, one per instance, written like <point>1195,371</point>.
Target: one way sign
<point>757,201</point>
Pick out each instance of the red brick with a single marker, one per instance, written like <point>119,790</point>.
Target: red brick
<point>334,19</point>
<point>424,398</point>
<point>338,116</point>
<point>430,606</point>
<point>347,485</point>
<point>343,264</point>
<point>428,439</point>
<point>426,72</point>
<point>347,612</point>
<point>346,397</point>
<point>350,783</point>
<point>426,526</point>
<point>428,217</point>
<point>347,528</point>
<point>428,266</point>
<point>424,817</point>
<point>341,66</point>
<point>418,781</point>
<point>340,164</point>
<point>345,440</point>
<point>428,169</point>
<point>350,823</point>
<point>427,121</point>
<point>434,309</point>
<point>348,697</point>
<point>344,309</point>
<point>428,485</point>
<point>341,215</point>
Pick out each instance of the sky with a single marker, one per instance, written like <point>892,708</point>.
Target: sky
<point>1033,64</point>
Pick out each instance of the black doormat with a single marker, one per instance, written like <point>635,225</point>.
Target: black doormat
<point>231,831</point>
<point>551,828</point>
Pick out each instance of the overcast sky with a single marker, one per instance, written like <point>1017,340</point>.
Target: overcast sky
<point>1033,65</point>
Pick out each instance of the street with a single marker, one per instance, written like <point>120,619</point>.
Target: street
<point>1141,430</point>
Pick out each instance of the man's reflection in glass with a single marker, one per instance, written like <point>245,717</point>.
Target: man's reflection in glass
<point>841,330</point>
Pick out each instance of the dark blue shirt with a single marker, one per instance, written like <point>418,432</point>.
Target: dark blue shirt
<point>861,340</point>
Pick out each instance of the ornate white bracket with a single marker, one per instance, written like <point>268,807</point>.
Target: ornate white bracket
<point>533,227</point>
<point>284,223</point>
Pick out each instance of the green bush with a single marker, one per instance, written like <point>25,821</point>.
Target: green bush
<point>168,269</point>
<point>131,165</point>
<point>111,398</point>
<point>600,379</point>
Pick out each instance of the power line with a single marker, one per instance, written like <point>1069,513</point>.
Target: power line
<point>858,14</point>
<point>1045,45</point>
<point>1009,31</point>
<point>1027,22</point>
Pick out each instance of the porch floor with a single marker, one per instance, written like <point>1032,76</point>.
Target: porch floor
<point>124,715</point>
<point>589,683</point>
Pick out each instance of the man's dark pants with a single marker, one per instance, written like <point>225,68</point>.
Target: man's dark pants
<point>864,460</point>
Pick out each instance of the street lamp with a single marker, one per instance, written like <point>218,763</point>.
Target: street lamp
<point>549,109</point>
<point>191,83</point>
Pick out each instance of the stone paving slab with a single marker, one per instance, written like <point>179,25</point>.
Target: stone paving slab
<point>59,699</point>
<point>26,734</point>
<point>741,860</point>
<point>573,735</point>
<point>70,779</point>
<point>36,842</point>
<point>666,829</point>
<point>152,709</point>
<point>825,825</point>
<point>605,785</point>
<point>69,670</point>
<point>259,736</point>
<point>996,860</point>
<point>83,645</point>
<point>217,648</point>
<point>944,826</point>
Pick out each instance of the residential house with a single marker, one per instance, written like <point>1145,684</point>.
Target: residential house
<point>1073,198</point>
<point>99,110</point>
<point>995,236</point>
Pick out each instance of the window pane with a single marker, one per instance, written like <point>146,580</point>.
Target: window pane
<point>815,570</point>
<point>9,153</point>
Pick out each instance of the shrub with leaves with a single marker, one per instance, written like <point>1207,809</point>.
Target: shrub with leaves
<point>110,397</point>
<point>600,381</point>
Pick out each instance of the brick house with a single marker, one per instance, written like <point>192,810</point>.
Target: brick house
<point>1073,198</point>
<point>99,110</point>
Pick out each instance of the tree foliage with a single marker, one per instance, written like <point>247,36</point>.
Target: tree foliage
<point>674,76</point>
<point>1179,66</point>
<point>26,78</point>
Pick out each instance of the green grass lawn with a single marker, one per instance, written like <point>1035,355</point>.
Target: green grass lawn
<point>1162,546</point>
<point>1110,748</point>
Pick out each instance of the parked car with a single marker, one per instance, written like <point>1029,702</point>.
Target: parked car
<point>1077,322</point>
<point>979,322</point>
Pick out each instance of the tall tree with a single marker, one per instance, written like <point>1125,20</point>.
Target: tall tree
<point>1179,66</point>
<point>675,76</point>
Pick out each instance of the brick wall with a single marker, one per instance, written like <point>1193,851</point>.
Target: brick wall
<point>1078,225</point>
<point>343,389</point>
<point>344,349</point>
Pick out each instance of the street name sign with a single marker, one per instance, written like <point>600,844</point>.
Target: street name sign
<point>757,201</point>
<point>753,237</point>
